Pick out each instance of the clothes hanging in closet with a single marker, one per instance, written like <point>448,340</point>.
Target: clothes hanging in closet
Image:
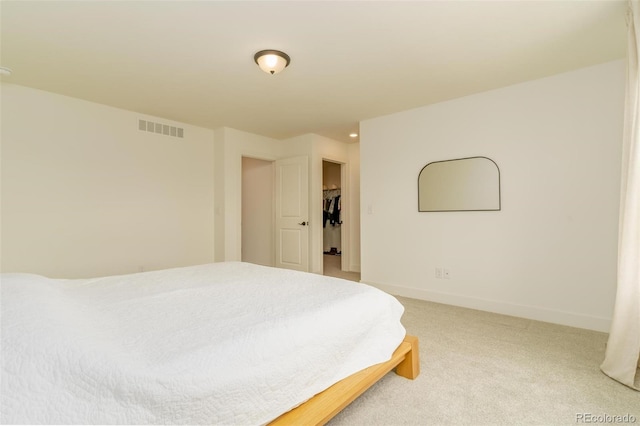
<point>331,207</point>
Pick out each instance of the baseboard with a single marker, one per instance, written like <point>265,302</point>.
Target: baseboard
<point>354,267</point>
<point>530,312</point>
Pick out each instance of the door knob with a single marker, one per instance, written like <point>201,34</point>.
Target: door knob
<point>303,223</point>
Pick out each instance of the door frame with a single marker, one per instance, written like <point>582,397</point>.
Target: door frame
<point>316,261</point>
<point>238,200</point>
<point>271,212</point>
<point>318,248</point>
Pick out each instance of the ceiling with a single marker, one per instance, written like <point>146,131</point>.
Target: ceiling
<point>192,61</point>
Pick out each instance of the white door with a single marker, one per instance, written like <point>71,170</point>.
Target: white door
<point>292,213</point>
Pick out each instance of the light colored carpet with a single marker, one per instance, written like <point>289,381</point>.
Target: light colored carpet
<point>332,265</point>
<point>479,368</point>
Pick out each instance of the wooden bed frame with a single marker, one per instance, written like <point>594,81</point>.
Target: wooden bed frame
<point>325,405</point>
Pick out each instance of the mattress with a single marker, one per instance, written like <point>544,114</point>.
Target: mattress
<point>221,343</point>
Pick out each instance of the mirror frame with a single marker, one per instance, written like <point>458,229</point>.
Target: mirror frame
<point>462,210</point>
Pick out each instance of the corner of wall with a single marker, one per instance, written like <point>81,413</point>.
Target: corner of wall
<point>219,182</point>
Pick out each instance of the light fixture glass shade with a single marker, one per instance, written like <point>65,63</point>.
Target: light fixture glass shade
<point>272,61</point>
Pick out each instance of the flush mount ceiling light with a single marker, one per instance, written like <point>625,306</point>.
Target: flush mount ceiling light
<point>271,61</point>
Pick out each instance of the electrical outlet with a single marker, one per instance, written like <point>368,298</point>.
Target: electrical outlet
<point>446,273</point>
<point>439,273</point>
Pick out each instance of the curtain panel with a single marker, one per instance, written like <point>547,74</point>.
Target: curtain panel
<point>622,357</point>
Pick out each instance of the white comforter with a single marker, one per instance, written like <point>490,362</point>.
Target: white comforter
<point>222,343</point>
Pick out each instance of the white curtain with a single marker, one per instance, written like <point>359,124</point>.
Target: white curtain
<point>622,358</point>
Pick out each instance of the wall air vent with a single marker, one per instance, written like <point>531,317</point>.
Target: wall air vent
<point>162,129</point>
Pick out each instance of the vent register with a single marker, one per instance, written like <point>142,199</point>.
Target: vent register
<point>162,129</point>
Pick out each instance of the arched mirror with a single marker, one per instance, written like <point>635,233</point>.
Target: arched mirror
<point>463,184</point>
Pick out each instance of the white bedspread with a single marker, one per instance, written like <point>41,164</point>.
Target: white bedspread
<point>223,343</point>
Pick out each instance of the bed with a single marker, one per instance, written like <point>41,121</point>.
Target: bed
<point>221,343</point>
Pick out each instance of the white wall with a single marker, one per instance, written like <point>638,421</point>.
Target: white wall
<point>353,211</point>
<point>85,193</point>
<point>550,254</point>
<point>79,179</point>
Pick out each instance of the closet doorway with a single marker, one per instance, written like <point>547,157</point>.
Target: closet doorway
<point>332,218</point>
<point>257,211</point>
